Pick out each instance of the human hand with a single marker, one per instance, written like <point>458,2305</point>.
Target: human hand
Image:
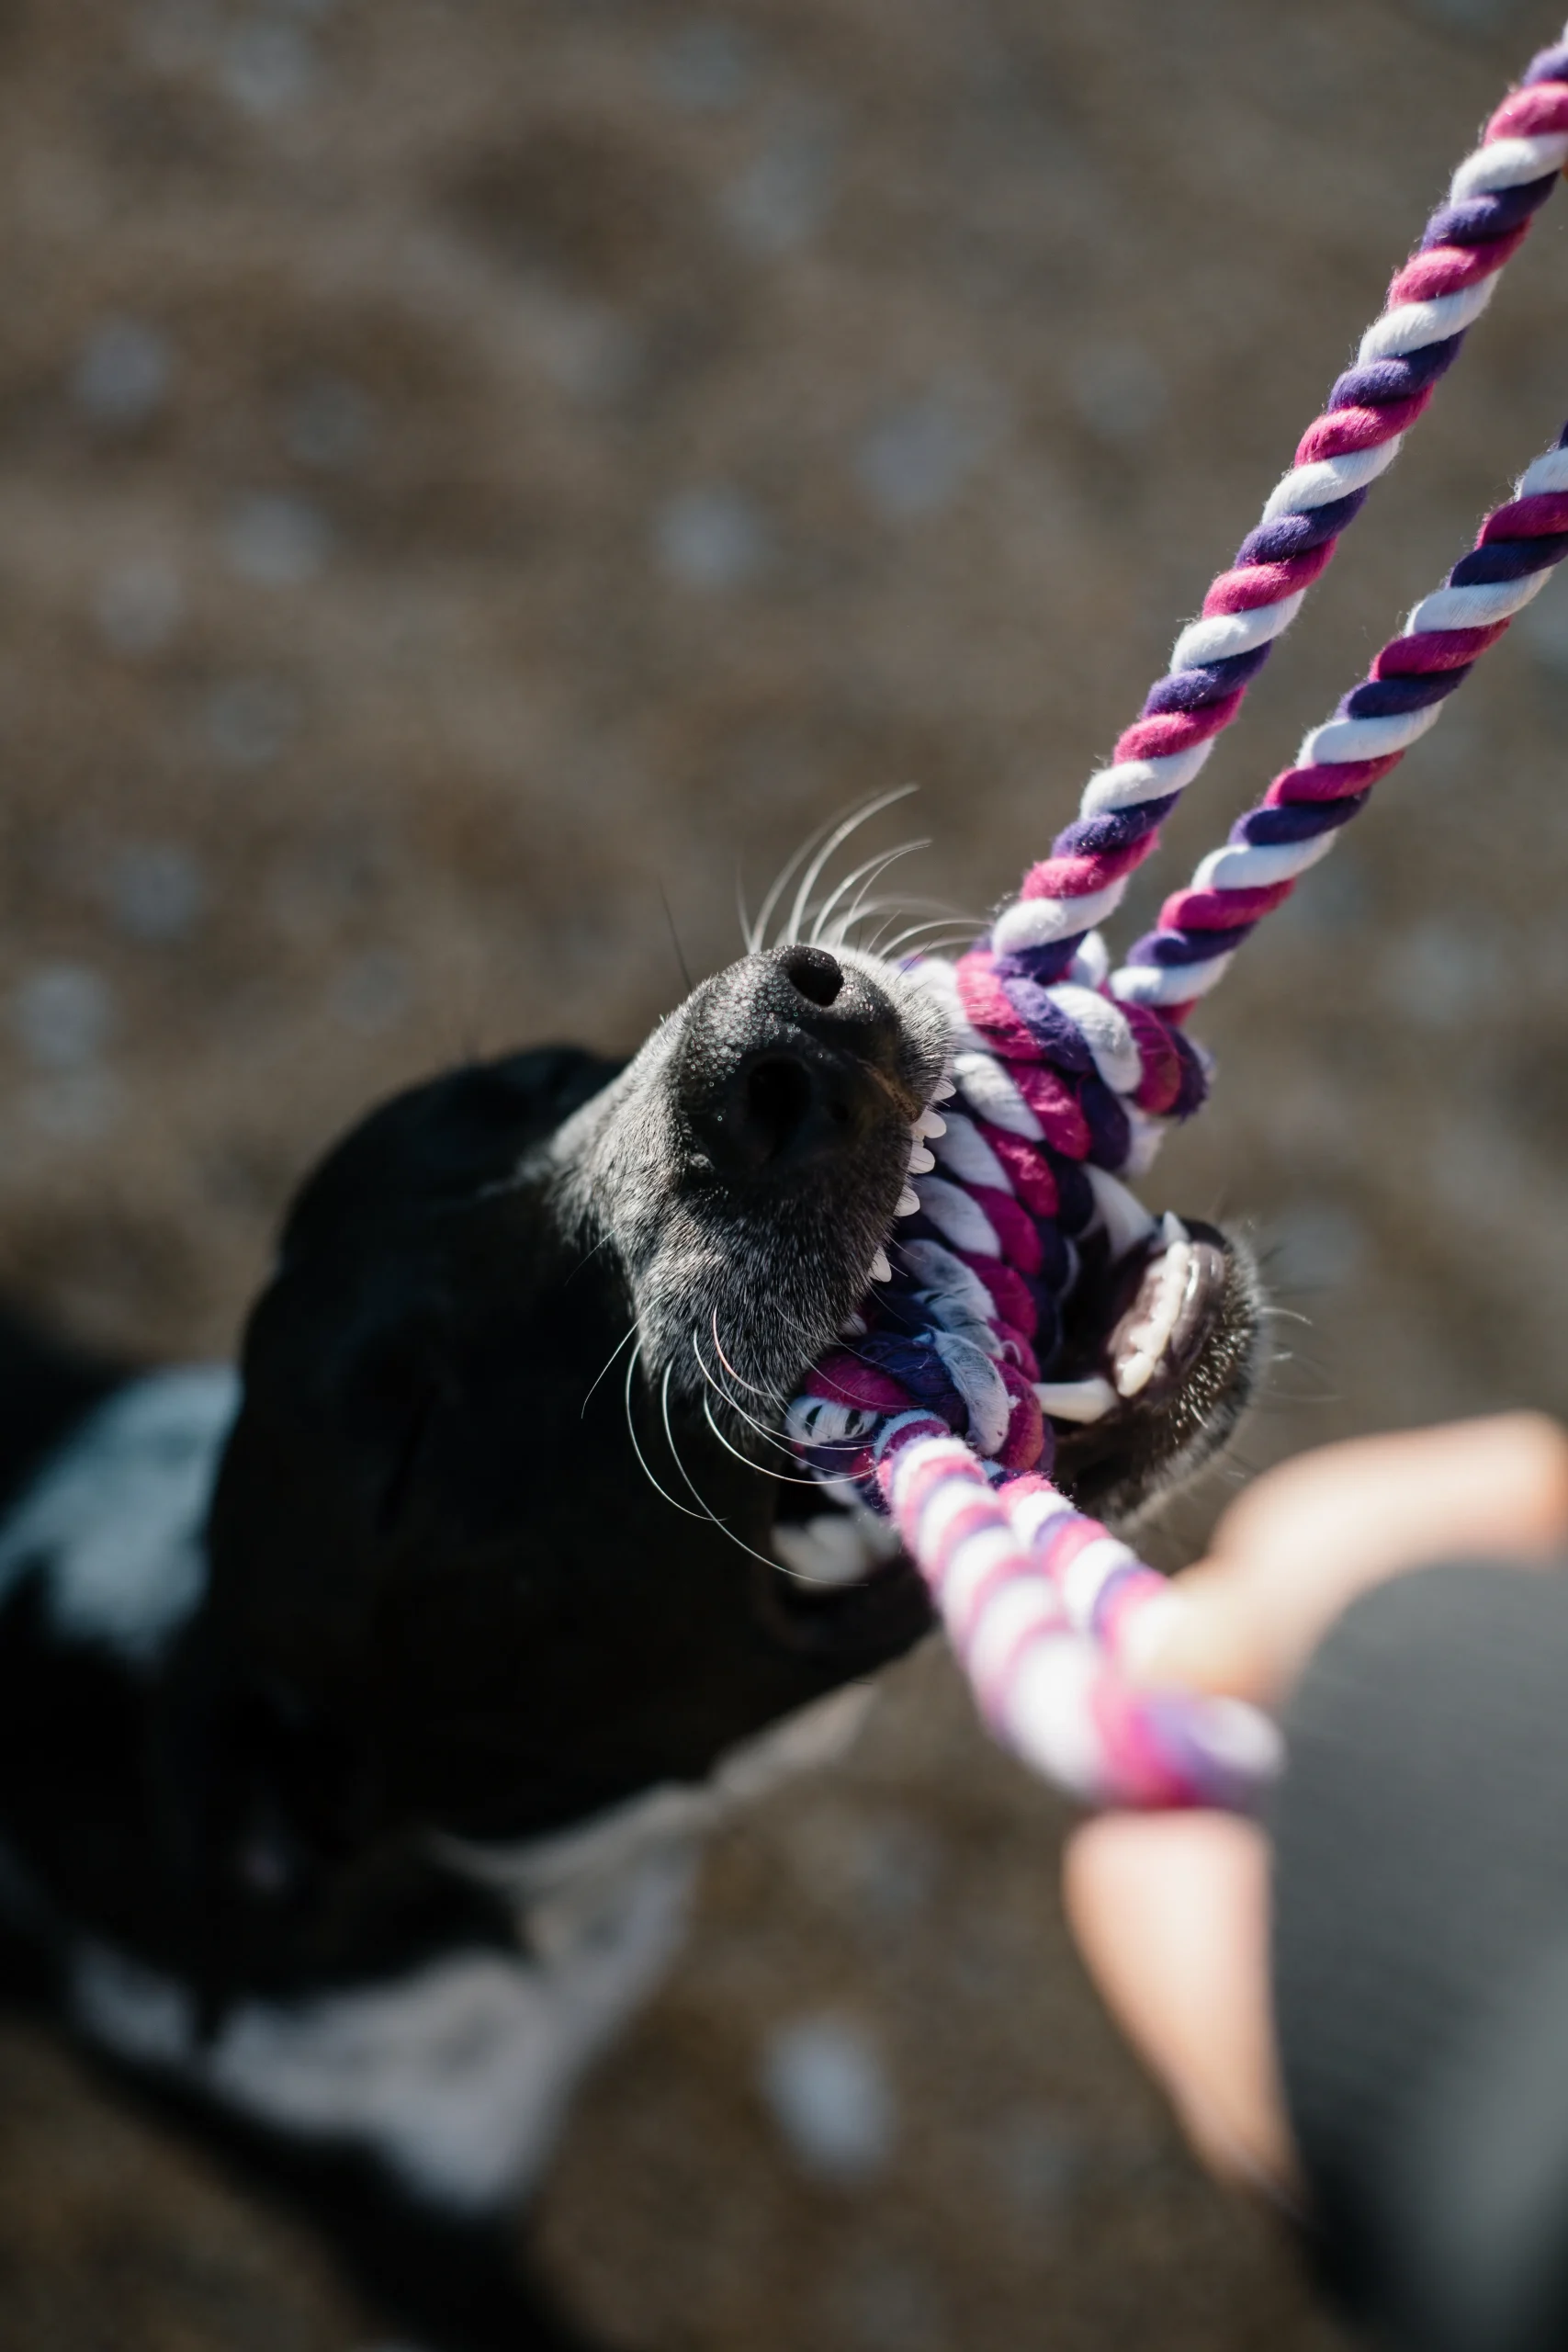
<point>1171,1911</point>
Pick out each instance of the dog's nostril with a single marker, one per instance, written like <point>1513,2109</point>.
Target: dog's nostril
<point>815,974</point>
<point>778,1100</point>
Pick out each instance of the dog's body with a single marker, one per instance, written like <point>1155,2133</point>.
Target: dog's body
<point>360,1713</point>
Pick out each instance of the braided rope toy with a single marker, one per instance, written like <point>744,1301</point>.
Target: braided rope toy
<point>1064,1076</point>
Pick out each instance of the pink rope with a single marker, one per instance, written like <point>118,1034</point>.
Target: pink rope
<point>1061,1084</point>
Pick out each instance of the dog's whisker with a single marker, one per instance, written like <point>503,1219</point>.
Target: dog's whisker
<point>588,1256</point>
<point>942,927</point>
<point>708,1510</point>
<point>912,903</point>
<point>954,943</point>
<point>865,908</point>
<point>604,1367</point>
<point>905,902</point>
<point>812,1338</point>
<point>730,1448</point>
<point>890,909</point>
<point>811,1344</point>
<point>953,921</point>
<point>834,843</point>
<point>675,1455</point>
<point>794,1573</point>
<point>774,1438</point>
<point>766,1395</point>
<point>766,1558</point>
<point>747,938</point>
<point>780,883</point>
<point>838,935</point>
<point>684,1508</point>
<point>682,965</point>
<point>870,872</point>
<point>872,947</point>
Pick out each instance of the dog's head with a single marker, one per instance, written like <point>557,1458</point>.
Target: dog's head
<point>507,1520</point>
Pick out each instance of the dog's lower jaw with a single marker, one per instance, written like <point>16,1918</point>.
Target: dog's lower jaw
<point>1162,1426</point>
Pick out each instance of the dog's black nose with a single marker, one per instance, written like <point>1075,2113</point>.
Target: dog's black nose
<point>813,973</point>
<point>788,1060</point>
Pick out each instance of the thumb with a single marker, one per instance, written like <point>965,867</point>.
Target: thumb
<point>1171,1915</point>
<point>1307,1538</point>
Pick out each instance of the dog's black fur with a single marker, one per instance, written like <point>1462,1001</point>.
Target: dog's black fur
<point>446,1613</point>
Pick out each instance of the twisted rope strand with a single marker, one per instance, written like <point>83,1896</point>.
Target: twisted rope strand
<point>1432,302</point>
<point>1039,1602</point>
<point>1517,549</point>
<point>940,1413</point>
<point>1040,1628</point>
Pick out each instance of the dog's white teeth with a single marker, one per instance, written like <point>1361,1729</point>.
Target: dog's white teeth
<point>930,1123</point>
<point>1132,1373</point>
<point>908,1203</point>
<point>1076,1400</point>
<point>881,1272</point>
<point>920,1159</point>
<point>944,1088</point>
<point>1149,1338</point>
<point>1173,1230</point>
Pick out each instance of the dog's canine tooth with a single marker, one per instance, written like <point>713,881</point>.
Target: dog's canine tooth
<point>1149,1338</point>
<point>1133,1374</point>
<point>1076,1400</point>
<point>881,1272</point>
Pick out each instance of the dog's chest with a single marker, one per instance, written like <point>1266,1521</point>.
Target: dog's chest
<point>456,2073</point>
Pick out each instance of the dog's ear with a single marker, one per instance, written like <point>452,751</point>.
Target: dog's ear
<point>417,1227</point>
<point>441,1142</point>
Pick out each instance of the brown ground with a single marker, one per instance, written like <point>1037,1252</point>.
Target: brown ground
<point>467,464</point>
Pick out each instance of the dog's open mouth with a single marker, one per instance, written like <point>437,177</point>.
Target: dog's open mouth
<point>862,1223</point>
<point>1159,1360</point>
<point>1156,1364</point>
<point>1141,1326</point>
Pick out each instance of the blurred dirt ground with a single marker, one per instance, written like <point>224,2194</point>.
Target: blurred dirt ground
<point>468,470</point>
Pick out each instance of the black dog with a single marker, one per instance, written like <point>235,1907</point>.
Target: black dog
<point>359,1717</point>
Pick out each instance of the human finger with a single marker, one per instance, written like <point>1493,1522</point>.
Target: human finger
<point>1171,1915</point>
<point>1306,1538</point>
